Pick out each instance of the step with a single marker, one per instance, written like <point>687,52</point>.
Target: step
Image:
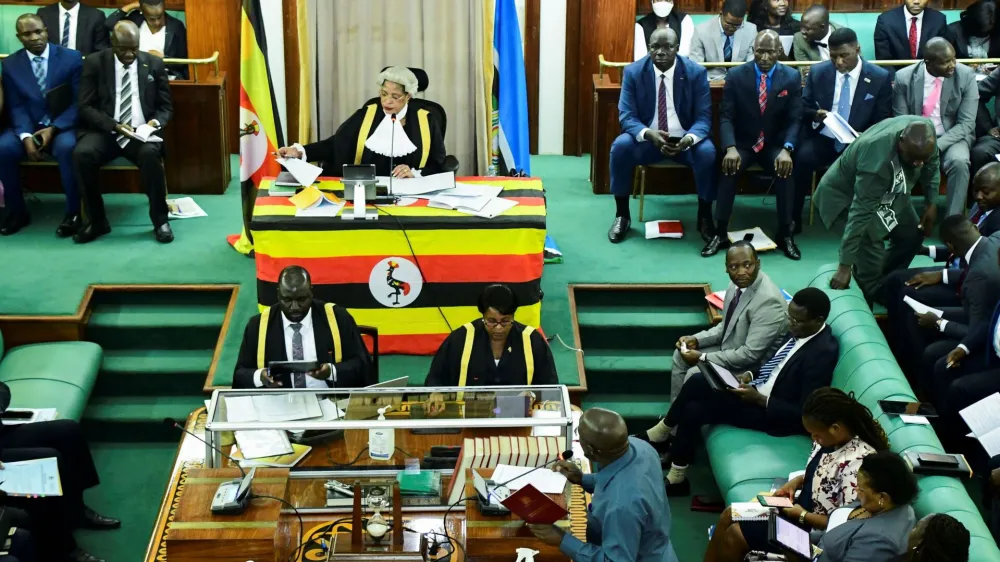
<point>157,361</point>
<point>619,360</point>
<point>136,418</point>
<point>632,406</point>
<point>642,317</point>
<point>161,315</point>
<point>155,337</point>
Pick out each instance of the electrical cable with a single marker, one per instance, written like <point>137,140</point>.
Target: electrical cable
<point>312,536</point>
<point>302,528</point>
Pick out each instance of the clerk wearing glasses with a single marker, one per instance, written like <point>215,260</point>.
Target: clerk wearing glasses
<point>494,350</point>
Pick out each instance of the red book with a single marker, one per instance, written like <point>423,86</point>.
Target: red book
<point>664,229</point>
<point>534,507</point>
<point>717,299</point>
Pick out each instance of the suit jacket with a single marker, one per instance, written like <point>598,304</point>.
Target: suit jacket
<point>877,539</point>
<point>959,101</point>
<point>989,227</point>
<point>980,338</point>
<point>980,291</point>
<point>988,89</point>
<point>692,99</point>
<point>98,89</point>
<point>353,371</point>
<point>957,37</point>
<point>28,104</point>
<point>803,50</point>
<point>809,368</point>
<point>91,34</point>
<point>872,100</point>
<point>757,322</point>
<point>892,33</point>
<point>174,43</point>
<point>740,120</point>
<point>707,45</point>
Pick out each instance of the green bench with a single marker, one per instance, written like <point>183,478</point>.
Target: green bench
<point>51,375</point>
<point>746,462</point>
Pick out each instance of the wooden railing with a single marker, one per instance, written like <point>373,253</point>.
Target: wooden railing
<point>212,60</point>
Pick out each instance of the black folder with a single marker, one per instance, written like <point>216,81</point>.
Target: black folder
<point>714,378</point>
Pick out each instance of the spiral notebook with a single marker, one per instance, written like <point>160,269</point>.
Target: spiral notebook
<point>749,511</point>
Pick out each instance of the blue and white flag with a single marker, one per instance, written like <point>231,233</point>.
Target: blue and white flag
<point>509,133</point>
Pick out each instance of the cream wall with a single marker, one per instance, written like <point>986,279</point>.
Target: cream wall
<point>551,76</point>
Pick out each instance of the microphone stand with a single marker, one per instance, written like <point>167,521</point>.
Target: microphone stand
<point>392,152</point>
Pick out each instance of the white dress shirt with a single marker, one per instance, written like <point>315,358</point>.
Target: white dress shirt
<point>673,122</point>
<point>137,117</point>
<point>824,52</point>
<point>74,16</point>
<point>855,75</point>
<point>308,350</point>
<point>968,258</point>
<point>45,62</point>
<point>765,388</point>
<point>920,24</point>
<point>641,49</point>
<point>149,41</point>
<point>935,115</point>
<point>932,250</point>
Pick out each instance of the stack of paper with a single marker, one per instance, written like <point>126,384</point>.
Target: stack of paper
<point>442,192</point>
<point>184,208</point>
<point>983,418</point>
<point>275,407</point>
<point>757,238</point>
<point>311,202</point>
<point>837,128</point>
<point>921,308</point>
<point>263,443</point>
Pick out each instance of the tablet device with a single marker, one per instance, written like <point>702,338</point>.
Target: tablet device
<point>275,368</point>
<point>717,376</point>
<point>898,407</point>
<point>786,535</point>
<point>674,140</point>
<point>774,501</point>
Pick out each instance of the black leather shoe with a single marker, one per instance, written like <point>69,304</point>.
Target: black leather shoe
<point>619,229</point>
<point>787,245</point>
<point>69,226</point>
<point>705,228</point>
<point>660,447</point>
<point>80,555</point>
<point>90,232</point>
<point>714,245</point>
<point>13,223</point>
<point>94,520</point>
<point>163,233</point>
<point>682,488</point>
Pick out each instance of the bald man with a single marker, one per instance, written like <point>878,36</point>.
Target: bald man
<point>302,329</point>
<point>629,517</point>
<point>945,92</point>
<point>812,41</point>
<point>122,89</point>
<point>871,185</point>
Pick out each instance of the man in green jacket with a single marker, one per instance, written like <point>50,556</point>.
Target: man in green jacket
<point>872,181</point>
<point>812,41</point>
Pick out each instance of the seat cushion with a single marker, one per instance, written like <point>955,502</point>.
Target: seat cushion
<point>47,375</point>
<point>743,457</point>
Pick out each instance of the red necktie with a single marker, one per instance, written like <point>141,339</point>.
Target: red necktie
<point>913,38</point>
<point>762,100</point>
<point>977,216</point>
<point>661,105</point>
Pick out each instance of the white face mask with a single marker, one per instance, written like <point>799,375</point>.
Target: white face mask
<point>662,9</point>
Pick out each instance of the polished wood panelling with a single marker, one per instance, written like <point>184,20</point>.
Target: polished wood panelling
<point>532,48</point>
<point>292,71</point>
<point>214,25</point>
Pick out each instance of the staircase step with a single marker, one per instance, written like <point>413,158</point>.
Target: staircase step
<point>639,410</point>
<point>157,361</point>
<point>158,315</point>
<point>136,418</point>
<point>641,317</point>
<point>644,361</point>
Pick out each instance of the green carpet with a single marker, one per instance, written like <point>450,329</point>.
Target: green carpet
<point>45,275</point>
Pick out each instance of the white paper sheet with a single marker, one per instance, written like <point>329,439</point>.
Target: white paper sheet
<point>184,208</point>
<point>325,209</point>
<point>272,407</point>
<point>983,416</point>
<point>240,409</point>
<point>494,208</point>
<point>144,133</point>
<point>467,202</point>
<point>759,241</point>
<point>303,172</point>
<point>837,128</point>
<point>422,185</point>
<point>920,307</point>
<point>726,376</point>
<point>262,443</point>
<point>546,480</point>
<point>38,477</point>
<point>991,442</point>
<point>914,420</point>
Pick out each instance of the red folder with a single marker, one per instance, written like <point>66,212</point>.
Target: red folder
<point>534,507</point>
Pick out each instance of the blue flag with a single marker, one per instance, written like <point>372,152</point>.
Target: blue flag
<point>510,93</point>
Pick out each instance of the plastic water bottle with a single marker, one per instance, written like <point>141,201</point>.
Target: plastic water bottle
<point>492,171</point>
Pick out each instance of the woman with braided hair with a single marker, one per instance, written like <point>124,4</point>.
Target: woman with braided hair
<point>843,432</point>
<point>937,538</point>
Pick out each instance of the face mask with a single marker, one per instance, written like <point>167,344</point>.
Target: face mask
<point>662,9</point>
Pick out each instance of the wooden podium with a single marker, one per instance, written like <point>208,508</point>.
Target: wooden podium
<point>196,534</point>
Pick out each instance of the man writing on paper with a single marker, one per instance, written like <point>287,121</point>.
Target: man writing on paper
<point>304,329</point>
<point>629,517</point>
<point>870,184</point>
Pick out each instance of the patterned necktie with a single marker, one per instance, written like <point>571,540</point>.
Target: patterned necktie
<point>298,379</point>
<point>772,364</point>
<point>661,104</point>
<point>40,72</point>
<point>732,309</point>
<point>762,100</point>
<point>913,38</point>
<point>932,100</point>
<point>125,106</point>
<point>727,50</point>
<point>65,34</point>
<point>977,216</point>
<point>844,107</point>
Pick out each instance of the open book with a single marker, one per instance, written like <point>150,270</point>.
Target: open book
<point>144,133</point>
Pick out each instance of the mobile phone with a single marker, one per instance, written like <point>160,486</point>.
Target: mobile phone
<point>17,415</point>
<point>674,140</point>
<point>937,460</point>
<point>898,407</point>
<point>774,501</point>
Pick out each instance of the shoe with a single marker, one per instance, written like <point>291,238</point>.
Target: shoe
<point>619,229</point>
<point>80,555</point>
<point>787,245</point>
<point>13,223</point>
<point>714,245</point>
<point>682,488</point>
<point>660,446</point>
<point>90,232</point>
<point>69,226</point>
<point>163,233</point>
<point>94,520</point>
<point>706,228</point>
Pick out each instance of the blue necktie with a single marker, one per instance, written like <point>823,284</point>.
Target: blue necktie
<point>65,34</point>
<point>772,364</point>
<point>844,106</point>
<point>727,50</point>
<point>40,72</point>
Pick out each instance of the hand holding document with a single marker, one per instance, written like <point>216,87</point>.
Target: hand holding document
<point>837,128</point>
<point>921,308</point>
<point>303,172</point>
<point>983,418</point>
<point>144,133</point>
<point>39,477</point>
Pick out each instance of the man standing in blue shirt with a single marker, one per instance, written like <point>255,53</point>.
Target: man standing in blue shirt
<point>629,518</point>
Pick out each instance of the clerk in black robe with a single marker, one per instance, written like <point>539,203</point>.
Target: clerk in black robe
<point>368,136</point>
<point>344,360</point>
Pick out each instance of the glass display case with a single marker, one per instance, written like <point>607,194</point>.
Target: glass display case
<point>335,439</point>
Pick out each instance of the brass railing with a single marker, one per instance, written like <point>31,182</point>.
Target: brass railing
<point>212,60</point>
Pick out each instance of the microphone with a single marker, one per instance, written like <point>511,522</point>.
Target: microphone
<point>392,152</point>
<point>566,455</point>
<point>173,423</point>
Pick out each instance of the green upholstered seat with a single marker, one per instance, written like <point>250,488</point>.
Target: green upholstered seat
<point>746,462</point>
<point>57,375</point>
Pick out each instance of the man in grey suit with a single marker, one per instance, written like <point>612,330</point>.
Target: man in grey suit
<point>945,92</point>
<point>812,41</point>
<point>727,39</point>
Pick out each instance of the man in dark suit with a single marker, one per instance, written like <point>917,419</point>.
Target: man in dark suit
<point>160,33</point>
<point>665,113</point>
<point>987,144</point>
<point>770,397</point>
<point>759,124</point>
<point>901,33</point>
<point>303,329</point>
<point>121,90</point>
<point>859,91</point>
<point>42,82</point>
<point>812,41</point>
<point>75,25</point>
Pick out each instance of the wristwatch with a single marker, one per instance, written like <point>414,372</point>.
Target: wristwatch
<point>802,517</point>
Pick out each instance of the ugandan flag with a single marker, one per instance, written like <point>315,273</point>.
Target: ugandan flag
<point>260,130</point>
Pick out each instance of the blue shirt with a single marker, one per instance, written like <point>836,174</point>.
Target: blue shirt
<point>770,75</point>
<point>629,518</point>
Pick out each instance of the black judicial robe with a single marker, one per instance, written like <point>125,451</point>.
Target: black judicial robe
<point>342,147</point>
<point>483,370</point>
<point>354,369</point>
<point>649,23</point>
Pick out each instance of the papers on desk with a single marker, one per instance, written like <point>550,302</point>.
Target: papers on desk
<point>144,133</point>
<point>921,308</point>
<point>184,208</point>
<point>279,190</point>
<point>442,192</point>
<point>837,128</point>
<point>311,202</point>
<point>263,443</point>
<point>34,478</point>
<point>758,239</point>
<point>301,171</point>
<point>420,186</point>
<point>280,461</point>
<point>983,418</point>
<point>544,479</point>
<point>279,407</point>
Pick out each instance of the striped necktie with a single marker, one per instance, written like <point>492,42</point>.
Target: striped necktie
<point>65,34</point>
<point>125,105</point>
<point>298,354</point>
<point>40,76</point>
<point>661,105</point>
<point>772,364</point>
<point>727,50</point>
<point>762,100</point>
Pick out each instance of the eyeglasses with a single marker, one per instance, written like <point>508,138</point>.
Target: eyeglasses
<point>491,323</point>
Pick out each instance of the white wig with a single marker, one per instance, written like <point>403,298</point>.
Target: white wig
<point>400,75</point>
